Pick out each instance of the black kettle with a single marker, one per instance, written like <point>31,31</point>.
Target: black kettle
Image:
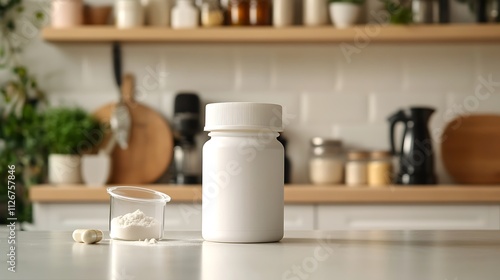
<point>416,157</point>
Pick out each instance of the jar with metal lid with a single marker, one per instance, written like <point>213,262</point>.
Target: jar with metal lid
<point>326,164</point>
<point>380,169</point>
<point>356,169</point>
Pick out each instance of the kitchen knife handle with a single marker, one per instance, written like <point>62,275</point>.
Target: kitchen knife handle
<point>117,63</point>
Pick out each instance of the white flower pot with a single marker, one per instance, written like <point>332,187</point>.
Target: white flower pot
<point>96,169</point>
<point>344,15</point>
<point>64,169</point>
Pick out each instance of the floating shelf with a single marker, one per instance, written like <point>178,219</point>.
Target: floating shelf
<point>327,34</point>
<point>296,194</point>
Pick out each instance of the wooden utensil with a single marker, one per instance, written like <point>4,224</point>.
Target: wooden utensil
<point>120,117</point>
<point>471,149</point>
<point>150,145</point>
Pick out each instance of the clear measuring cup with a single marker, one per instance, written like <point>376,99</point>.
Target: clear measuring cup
<point>136,213</point>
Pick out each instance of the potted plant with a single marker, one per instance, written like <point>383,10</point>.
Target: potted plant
<point>400,11</point>
<point>345,13</point>
<point>68,134</point>
<point>21,101</point>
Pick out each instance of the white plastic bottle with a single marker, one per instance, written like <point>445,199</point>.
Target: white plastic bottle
<point>185,15</point>
<point>243,173</point>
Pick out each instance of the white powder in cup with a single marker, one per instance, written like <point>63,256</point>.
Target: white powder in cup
<point>135,226</point>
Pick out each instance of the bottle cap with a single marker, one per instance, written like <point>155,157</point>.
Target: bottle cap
<point>378,155</point>
<point>186,102</point>
<point>357,155</point>
<point>243,116</point>
<point>319,141</point>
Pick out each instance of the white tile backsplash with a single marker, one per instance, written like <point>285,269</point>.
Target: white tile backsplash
<point>489,61</point>
<point>439,67</point>
<point>363,136</point>
<point>322,93</point>
<point>334,108</point>
<point>147,63</point>
<point>58,67</point>
<point>88,101</point>
<point>375,67</point>
<point>253,68</point>
<point>302,67</point>
<point>470,104</point>
<point>200,67</point>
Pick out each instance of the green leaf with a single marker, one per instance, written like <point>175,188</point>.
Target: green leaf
<point>67,129</point>
<point>39,16</point>
<point>398,12</point>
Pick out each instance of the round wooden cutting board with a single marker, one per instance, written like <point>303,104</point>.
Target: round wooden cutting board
<point>471,149</point>
<point>150,145</point>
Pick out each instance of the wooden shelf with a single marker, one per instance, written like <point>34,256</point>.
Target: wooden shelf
<point>296,194</point>
<point>327,34</point>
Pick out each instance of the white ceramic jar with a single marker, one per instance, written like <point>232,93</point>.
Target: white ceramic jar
<point>344,15</point>
<point>185,15</point>
<point>282,13</point>
<point>158,12</point>
<point>129,14</point>
<point>66,13</point>
<point>243,173</point>
<point>64,169</point>
<point>315,12</point>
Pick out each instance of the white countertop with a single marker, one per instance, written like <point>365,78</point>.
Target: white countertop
<point>384,255</point>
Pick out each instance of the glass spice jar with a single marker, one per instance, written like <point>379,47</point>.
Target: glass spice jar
<point>238,12</point>
<point>380,169</point>
<point>260,12</point>
<point>356,172</point>
<point>211,13</point>
<point>326,164</point>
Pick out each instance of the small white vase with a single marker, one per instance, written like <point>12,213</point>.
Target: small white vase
<point>96,169</point>
<point>64,169</point>
<point>343,14</point>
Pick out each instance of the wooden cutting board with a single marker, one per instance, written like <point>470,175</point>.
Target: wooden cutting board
<point>471,149</point>
<point>150,146</point>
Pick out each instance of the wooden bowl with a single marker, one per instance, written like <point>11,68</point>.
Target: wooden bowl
<point>97,15</point>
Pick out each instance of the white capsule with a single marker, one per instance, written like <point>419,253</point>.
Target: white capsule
<point>88,236</point>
